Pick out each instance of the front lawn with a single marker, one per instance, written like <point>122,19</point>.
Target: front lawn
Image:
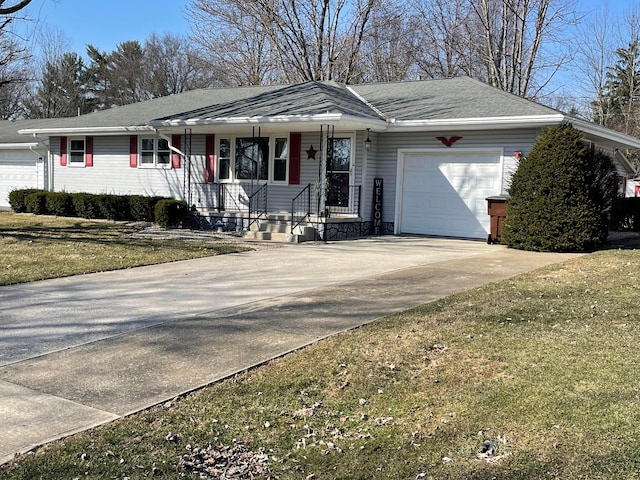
<point>533,378</point>
<point>40,247</point>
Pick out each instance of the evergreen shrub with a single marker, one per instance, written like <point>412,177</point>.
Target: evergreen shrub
<point>86,205</point>
<point>36,202</point>
<point>17,199</point>
<point>59,203</point>
<point>170,213</point>
<point>113,207</point>
<point>141,208</point>
<point>560,195</point>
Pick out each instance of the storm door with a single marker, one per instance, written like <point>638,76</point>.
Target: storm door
<point>339,172</point>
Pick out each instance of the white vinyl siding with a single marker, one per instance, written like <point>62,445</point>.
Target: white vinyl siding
<point>111,172</point>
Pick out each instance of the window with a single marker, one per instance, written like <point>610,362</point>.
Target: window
<point>281,155</point>
<point>155,152</point>
<point>76,151</point>
<point>252,158</point>
<point>224,171</point>
<point>247,158</point>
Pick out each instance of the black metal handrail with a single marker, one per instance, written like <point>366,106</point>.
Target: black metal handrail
<point>300,207</point>
<point>257,205</point>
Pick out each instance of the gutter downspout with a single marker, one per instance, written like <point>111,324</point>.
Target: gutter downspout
<point>45,159</point>
<point>171,147</point>
<point>629,165</point>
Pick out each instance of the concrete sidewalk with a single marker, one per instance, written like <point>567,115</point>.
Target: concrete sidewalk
<point>82,379</point>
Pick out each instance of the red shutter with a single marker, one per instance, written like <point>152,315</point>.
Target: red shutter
<point>210,158</point>
<point>133,151</point>
<point>88,153</point>
<point>175,157</point>
<point>63,151</point>
<point>295,140</point>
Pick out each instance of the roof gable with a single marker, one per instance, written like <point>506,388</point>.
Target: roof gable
<point>303,99</point>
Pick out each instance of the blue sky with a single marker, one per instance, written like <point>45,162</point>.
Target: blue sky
<point>106,23</point>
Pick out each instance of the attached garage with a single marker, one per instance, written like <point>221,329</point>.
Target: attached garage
<point>444,193</point>
<point>18,169</point>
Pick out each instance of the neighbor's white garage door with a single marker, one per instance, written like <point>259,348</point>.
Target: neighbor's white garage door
<point>445,194</point>
<point>17,170</point>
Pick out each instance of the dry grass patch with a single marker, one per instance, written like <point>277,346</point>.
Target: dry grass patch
<point>39,247</point>
<point>533,377</point>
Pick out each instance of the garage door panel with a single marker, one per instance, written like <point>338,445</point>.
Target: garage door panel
<point>14,174</point>
<point>445,194</point>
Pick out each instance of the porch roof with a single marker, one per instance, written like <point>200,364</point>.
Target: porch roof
<point>304,102</point>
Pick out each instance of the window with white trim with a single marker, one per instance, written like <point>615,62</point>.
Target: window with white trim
<point>154,152</point>
<point>280,159</point>
<point>224,158</point>
<point>77,151</point>
<point>247,158</point>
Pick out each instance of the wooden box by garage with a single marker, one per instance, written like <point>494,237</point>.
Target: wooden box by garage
<point>497,209</point>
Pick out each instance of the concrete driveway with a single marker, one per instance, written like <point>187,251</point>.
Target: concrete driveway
<point>80,351</point>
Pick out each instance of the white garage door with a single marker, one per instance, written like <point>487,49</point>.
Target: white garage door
<point>17,170</point>
<point>445,194</point>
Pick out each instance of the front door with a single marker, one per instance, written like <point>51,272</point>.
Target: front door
<point>338,172</point>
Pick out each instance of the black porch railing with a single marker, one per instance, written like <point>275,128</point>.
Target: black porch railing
<point>300,207</point>
<point>343,199</point>
<point>252,199</point>
<point>222,197</point>
<point>258,205</point>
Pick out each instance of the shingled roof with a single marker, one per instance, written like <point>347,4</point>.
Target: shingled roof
<point>449,98</point>
<point>298,100</point>
<point>419,105</point>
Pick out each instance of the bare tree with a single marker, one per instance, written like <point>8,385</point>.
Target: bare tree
<point>448,37</point>
<point>7,8</point>
<point>172,66</point>
<point>285,40</point>
<point>514,34</point>
<point>389,47</point>
<point>595,49</point>
<point>14,71</point>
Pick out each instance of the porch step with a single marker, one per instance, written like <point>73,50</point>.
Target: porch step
<point>277,228</point>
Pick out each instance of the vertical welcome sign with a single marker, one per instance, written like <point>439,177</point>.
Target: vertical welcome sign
<point>377,206</point>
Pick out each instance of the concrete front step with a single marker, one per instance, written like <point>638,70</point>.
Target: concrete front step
<point>273,236</point>
<point>279,231</point>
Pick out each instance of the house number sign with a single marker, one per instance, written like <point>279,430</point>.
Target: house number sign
<point>377,206</point>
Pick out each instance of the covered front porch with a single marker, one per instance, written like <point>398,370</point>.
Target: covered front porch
<point>280,212</point>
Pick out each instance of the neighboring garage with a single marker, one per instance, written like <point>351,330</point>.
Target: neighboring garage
<point>22,158</point>
<point>444,193</point>
<point>18,169</point>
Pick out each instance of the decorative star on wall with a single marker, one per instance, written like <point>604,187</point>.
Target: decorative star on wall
<point>311,153</point>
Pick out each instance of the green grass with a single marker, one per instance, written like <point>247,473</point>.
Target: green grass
<point>41,247</point>
<point>543,365</point>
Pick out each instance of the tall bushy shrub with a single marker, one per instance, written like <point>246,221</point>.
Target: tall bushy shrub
<point>559,195</point>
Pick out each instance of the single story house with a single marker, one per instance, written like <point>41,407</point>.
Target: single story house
<point>415,157</point>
